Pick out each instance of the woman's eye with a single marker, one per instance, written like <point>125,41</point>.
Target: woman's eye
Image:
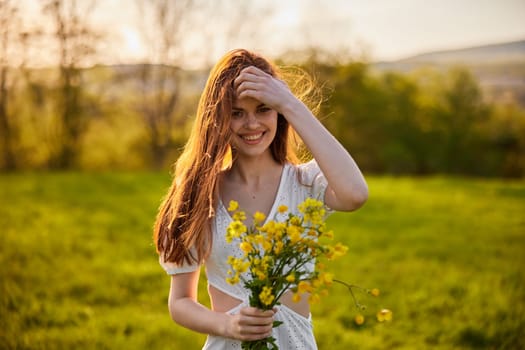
<point>236,114</point>
<point>264,109</point>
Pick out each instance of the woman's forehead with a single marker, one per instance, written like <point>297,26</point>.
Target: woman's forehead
<point>246,103</point>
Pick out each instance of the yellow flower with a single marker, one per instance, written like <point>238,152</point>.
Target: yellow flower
<point>314,218</point>
<point>275,252</point>
<point>234,205</point>
<point>269,229</point>
<point>259,239</point>
<point>266,262</point>
<point>280,230</point>
<point>384,315</point>
<point>310,243</point>
<point>295,221</point>
<point>327,278</point>
<point>359,320</point>
<point>329,234</point>
<point>316,283</point>
<point>261,274</point>
<point>246,247</point>
<point>267,245</point>
<point>239,216</point>
<point>258,217</point>
<point>234,230</point>
<point>239,265</point>
<point>296,297</point>
<point>339,250</point>
<point>304,287</point>
<point>374,292</point>
<point>329,252</point>
<point>266,296</point>
<point>312,210</point>
<point>314,298</point>
<point>306,205</point>
<point>278,247</point>
<point>282,209</point>
<point>233,280</point>
<point>293,233</point>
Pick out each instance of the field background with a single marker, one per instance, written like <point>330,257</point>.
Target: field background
<point>78,268</point>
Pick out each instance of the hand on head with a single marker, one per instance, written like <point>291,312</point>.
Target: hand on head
<point>255,83</point>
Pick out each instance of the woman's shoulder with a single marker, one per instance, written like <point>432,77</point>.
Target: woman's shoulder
<point>308,179</point>
<point>306,172</point>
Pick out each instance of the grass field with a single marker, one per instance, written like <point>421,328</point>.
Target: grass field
<point>78,269</point>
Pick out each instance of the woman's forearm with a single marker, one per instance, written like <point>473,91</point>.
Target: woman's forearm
<point>249,324</point>
<point>192,315</point>
<point>343,175</point>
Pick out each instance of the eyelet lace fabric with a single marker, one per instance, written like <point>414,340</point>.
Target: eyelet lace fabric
<point>298,182</point>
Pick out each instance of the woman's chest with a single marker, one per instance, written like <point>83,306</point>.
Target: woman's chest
<point>251,199</point>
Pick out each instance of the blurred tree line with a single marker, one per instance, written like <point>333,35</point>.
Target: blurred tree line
<point>424,122</point>
<point>138,116</point>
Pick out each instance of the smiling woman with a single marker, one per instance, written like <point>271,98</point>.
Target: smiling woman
<point>240,150</point>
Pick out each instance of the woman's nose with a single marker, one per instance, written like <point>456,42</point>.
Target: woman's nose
<point>251,120</point>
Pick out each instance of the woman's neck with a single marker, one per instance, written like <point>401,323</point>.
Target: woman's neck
<point>254,170</point>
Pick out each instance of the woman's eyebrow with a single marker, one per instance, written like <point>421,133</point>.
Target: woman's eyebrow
<point>236,108</point>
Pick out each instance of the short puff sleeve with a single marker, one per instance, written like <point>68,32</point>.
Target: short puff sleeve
<point>312,177</point>
<point>173,268</point>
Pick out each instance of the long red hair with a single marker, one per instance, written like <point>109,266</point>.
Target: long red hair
<point>182,231</point>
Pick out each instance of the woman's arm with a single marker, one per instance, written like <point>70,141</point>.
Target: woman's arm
<point>347,189</point>
<point>249,324</point>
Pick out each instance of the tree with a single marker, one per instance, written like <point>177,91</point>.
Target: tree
<point>8,23</point>
<point>462,112</point>
<point>355,112</point>
<point>76,42</point>
<point>405,149</point>
<point>160,78</point>
<point>174,30</point>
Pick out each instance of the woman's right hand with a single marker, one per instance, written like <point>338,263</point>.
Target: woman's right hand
<point>250,324</point>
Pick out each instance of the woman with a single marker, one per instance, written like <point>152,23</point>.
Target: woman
<point>240,149</point>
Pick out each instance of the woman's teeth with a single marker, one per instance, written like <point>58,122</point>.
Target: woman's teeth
<point>252,137</point>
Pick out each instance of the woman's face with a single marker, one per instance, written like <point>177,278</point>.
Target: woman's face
<point>253,125</point>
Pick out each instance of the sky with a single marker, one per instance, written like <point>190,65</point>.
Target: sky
<point>399,28</point>
<point>379,29</point>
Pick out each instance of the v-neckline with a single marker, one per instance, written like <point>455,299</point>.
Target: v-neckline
<point>271,213</point>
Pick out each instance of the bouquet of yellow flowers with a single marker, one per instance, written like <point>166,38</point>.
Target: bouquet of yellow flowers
<point>279,256</point>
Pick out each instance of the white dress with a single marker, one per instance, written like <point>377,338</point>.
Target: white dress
<point>297,183</point>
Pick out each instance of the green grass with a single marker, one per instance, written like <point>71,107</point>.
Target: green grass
<point>78,269</point>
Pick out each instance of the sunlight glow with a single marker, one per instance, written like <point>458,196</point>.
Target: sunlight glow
<point>132,41</point>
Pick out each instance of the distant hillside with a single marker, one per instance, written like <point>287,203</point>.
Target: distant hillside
<point>503,53</point>
<point>500,68</point>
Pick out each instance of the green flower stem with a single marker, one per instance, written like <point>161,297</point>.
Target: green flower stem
<point>350,286</point>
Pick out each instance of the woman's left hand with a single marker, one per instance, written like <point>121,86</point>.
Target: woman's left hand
<point>255,83</point>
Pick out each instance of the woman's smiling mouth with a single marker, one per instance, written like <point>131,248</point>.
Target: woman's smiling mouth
<point>252,138</point>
